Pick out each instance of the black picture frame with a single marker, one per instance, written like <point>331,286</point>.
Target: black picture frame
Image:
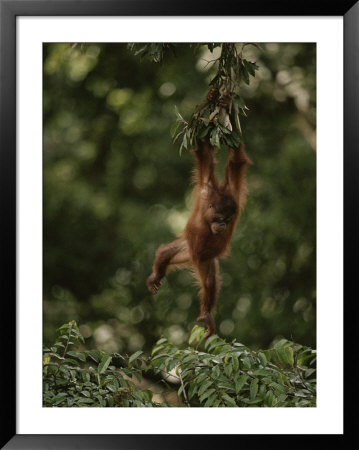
<point>9,10</point>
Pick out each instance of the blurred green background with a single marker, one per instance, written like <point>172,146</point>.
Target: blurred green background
<point>115,187</point>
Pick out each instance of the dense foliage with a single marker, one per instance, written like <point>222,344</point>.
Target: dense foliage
<point>230,374</point>
<point>115,188</point>
<point>68,383</point>
<point>212,373</point>
<point>217,117</point>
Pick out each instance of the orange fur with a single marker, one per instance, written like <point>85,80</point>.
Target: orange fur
<point>207,235</point>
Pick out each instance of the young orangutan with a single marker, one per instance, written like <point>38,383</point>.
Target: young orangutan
<point>207,235</point>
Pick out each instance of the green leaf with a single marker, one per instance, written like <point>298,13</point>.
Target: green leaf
<point>86,393</point>
<point>261,372</point>
<point>279,357</point>
<point>111,387</point>
<point>240,102</point>
<point>196,333</point>
<point>201,377</point>
<point>204,132</point>
<point>94,355</point>
<point>216,344</point>
<point>142,51</point>
<point>189,358</point>
<point>240,383</point>
<point>216,370</point>
<point>162,355</point>
<point>210,340</point>
<point>174,128</point>
<point>253,388</point>
<point>59,398</point>
<point>71,361</point>
<point>235,363</point>
<point>282,343</point>
<point>228,387</point>
<point>238,124</point>
<point>262,391</point>
<point>229,141</point>
<point>242,111</point>
<point>67,326</point>
<point>228,369</point>
<point>236,138</point>
<point>228,400</point>
<point>268,398</point>
<point>214,137</point>
<point>179,115</point>
<point>262,358</point>
<point>289,355</point>
<point>251,402</point>
<point>277,386</point>
<point>211,399</point>
<point>85,400</point>
<point>178,135</point>
<point>268,355</point>
<point>157,349</point>
<point>75,333</point>
<point>170,363</point>
<point>246,362</point>
<point>184,142</point>
<point>135,356</point>
<point>284,379</point>
<point>204,387</point>
<point>105,362</point>
<point>309,372</point>
<point>244,73</point>
<point>192,390</point>
<point>255,45</point>
<point>206,394</point>
<point>251,67</point>
<point>284,356</point>
<point>51,364</point>
<point>78,355</point>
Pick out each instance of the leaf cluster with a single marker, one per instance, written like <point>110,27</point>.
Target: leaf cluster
<point>225,374</point>
<point>89,378</point>
<point>212,122</point>
<point>152,51</point>
<point>210,373</point>
<point>218,117</point>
